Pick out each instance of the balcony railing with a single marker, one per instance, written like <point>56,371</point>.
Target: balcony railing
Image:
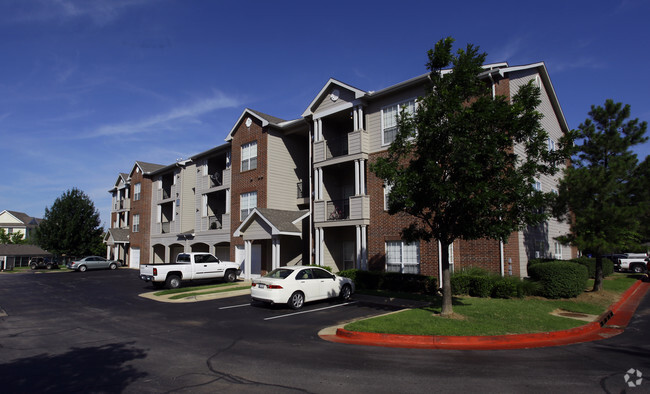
<point>165,227</point>
<point>338,209</point>
<point>303,192</point>
<point>214,223</point>
<point>337,146</point>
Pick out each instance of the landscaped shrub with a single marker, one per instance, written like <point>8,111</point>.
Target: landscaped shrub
<point>507,287</point>
<point>480,286</point>
<point>392,281</point>
<point>460,283</point>
<point>560,279</point>
<point>590,263</point>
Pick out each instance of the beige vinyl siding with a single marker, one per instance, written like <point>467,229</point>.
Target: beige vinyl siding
<point>373,114</point>
<point>547,232</point>
<point>345,97</point>
<point>258,229</point>
<point>187,196</point>
<point>287,164</point>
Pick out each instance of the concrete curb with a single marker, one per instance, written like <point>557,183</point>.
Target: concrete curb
<point>201,297</point>
<point>610,323</point>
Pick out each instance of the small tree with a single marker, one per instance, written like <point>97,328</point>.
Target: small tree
<point>4,237</point>
<point>452,165</point>
<point>71,226</point>
<point>600,190</point>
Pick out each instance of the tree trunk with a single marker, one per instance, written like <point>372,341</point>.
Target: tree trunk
<point>447,308</point>
<point>598,281</point>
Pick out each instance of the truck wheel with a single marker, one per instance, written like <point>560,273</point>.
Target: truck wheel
<point>173,282</point>
<point>230,276</point>
<point>49,266</point>
<point>32,266</point>
<point>637,268</point>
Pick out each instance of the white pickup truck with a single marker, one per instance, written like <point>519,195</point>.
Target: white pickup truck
<point>635,262</point>
<point>189,266</point>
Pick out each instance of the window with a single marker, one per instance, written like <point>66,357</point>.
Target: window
<point>136,192</point>
<point>136,223</point>
<point>10,230</point>
<point>389,120</point>
<point>558,251</point>
<point>387,188</point>
<point>249,156</point>
<point>551,144</point>
<point>248,201</point>
<point>537,185</point>
<point>403,257</point>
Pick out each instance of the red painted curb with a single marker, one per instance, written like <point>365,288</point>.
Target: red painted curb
<point>622,310</point>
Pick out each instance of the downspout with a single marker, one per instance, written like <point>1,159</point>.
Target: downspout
<point>311,197</point>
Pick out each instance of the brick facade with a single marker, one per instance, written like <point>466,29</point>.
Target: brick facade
<point>141,207</point>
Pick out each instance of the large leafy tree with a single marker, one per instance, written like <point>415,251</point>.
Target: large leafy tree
<point>600,193</point>
<point>452,165</point>
<point>71,226</point>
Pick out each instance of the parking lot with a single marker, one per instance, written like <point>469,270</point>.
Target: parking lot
<point>92,332</point>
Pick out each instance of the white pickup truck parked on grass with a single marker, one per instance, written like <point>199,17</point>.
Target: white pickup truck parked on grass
<point>635,262</point>
<point>189,266</point>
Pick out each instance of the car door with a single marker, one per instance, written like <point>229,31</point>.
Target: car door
<point>207,266</point>
<point>327,286</point>
<point>309,285</point>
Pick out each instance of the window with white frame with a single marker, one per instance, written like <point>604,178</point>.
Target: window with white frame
<point>247,202</point>
<point>136,191</point>
<point>389,120</point>
<point>136,223</point>
<point>249,156</point>
<point>403,257</point>
<point>537,185</point>
<point>551,144</point>
<point>387,188</point>
<point>558,251</point>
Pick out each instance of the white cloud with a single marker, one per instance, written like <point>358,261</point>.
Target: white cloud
<point>166,121</point>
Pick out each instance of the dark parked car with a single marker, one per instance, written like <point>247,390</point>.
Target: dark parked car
<point>42,262</point>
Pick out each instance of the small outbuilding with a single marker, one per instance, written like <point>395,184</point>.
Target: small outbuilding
<point>16,255</point>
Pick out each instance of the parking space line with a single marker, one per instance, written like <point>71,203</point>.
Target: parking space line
<point>235,306</point>
<point>312,310</point>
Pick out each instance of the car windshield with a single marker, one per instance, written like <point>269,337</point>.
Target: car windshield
<point>279,273</point>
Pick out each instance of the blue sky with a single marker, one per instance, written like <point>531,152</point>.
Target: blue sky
<point>89,87</point>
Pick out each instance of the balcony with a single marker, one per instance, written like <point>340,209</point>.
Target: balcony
<point>216,223</point>
<point>352,208</point>
<point>348,144</point>
<point>165,227</point>
<point>219,178</point>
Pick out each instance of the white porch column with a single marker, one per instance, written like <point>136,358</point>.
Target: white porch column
<point>360,117</point>
<point>108,252</point>
<point>275,259</point>
<point>319,184</point>
<point>364,247</point>
<point>362,177</point>
<point>357,189</point>
<point>355,113</point>
<point>321,256</point>
<point>317,246</point>
<point>247,259</point>
<point>358,262</point>
<point>227,201</point>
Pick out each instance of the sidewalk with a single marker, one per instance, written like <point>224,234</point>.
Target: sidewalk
<point>610,323</point>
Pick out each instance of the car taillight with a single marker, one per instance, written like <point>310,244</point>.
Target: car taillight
<point>274,286</point>
<point>155,272</point>
<point>253,284</point>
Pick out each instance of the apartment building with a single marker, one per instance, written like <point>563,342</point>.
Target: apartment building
<point>299,191</point>
<point>14,222</point>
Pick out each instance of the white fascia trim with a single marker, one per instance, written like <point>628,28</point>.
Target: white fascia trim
<point>288,233</point>
<point>357,94</point>
<point>335,109</point>
<point>254,212</point>
<point>241,117</point>
<point>301,218</point>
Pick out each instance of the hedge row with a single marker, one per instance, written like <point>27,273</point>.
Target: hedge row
<point>392,281</point>
<point>489,285</point>
<point>589,262</point>
<point>560,279</point>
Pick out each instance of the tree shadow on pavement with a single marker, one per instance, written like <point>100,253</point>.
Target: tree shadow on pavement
<point>92,369</point>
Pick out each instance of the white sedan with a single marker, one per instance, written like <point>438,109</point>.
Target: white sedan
<point>296,285</point>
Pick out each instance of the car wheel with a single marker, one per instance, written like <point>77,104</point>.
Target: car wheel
<point>297,300</point>
<point>82,268</point>
<point>637,269</point>
<point>49,266</point>
<point>230,276</point>
<point>173,282</point>
<point>32,266</point>
<point>346,292</point>
<point>113,266</point>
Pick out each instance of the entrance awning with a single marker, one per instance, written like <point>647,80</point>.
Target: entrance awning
<point>269,222</point>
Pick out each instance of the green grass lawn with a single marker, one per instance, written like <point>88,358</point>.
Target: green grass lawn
<point>487,316</point>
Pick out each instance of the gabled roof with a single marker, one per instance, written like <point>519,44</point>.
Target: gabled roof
<point>148,168</point>
<point>123,178</point>
<point>211,151</point>
<point>119,235</point>
<point>265,119</point>
<point>27,220</point>
<point>358,93</point>
<point>22,250</point>
<point>281,222</point>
